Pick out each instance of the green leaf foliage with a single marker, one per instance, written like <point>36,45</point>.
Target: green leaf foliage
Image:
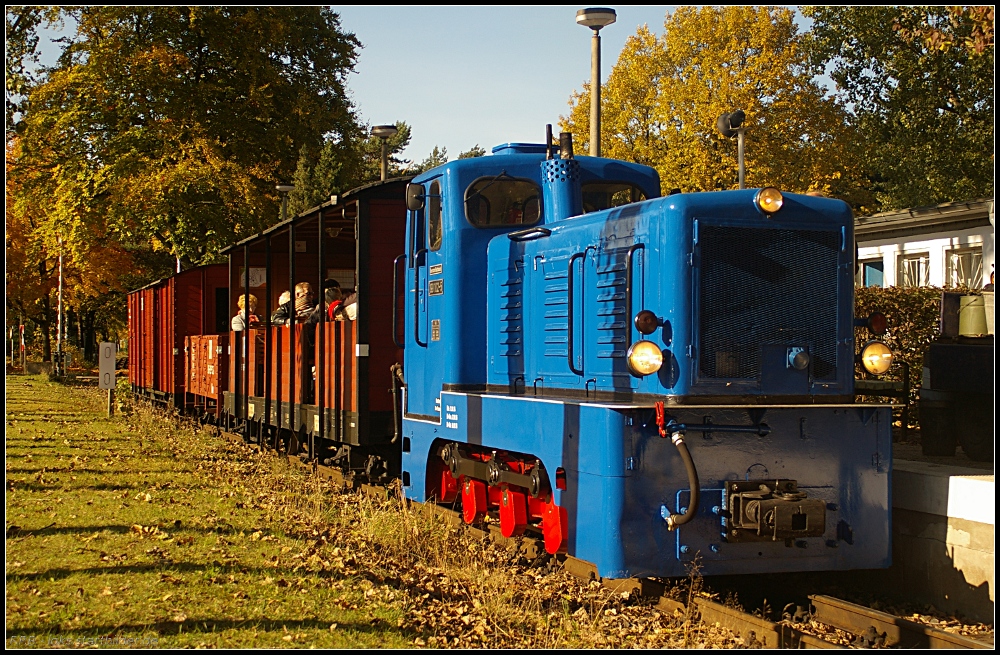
<point>343,163</point>
<point>22,56</point>
<point>156,140</point>
<point>437,157</point>
<point>921,84</point>
<point>474,151</point>
<point>167,128</point>
<point>913,314</point>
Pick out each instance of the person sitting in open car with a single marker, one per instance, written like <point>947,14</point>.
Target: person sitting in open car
<point>280,315</point>
<point>245,317</point>
<point>304,301</point>
<point>348,309</point>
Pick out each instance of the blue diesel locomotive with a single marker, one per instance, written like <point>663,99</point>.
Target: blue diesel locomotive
<point>649,380</point>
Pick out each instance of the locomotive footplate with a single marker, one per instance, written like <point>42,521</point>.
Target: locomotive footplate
<point>771,510</point>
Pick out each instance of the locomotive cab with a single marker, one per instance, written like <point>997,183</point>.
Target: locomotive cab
<point>456,211</point>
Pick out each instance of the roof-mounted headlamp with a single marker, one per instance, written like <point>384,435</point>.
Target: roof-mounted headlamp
<point>768,200</point>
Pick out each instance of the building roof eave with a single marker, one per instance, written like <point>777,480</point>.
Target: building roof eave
<point>925,220</point>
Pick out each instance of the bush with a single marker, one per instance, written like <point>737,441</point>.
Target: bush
<point>913,314</point>
<point>124,398</point>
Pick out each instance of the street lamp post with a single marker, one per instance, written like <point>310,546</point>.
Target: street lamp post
<point>384,132</point>
<point>284,190</point>
<point>595,18</point>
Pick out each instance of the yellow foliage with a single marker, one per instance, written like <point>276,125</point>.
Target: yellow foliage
<point>664,95</point>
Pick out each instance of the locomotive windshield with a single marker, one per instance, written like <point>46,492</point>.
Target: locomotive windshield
<point>605,195</point>
<point>502,200</point>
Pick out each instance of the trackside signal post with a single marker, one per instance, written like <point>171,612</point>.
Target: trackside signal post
<point>107,373</point>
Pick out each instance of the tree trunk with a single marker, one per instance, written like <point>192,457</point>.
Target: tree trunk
<point>45,324</point>
<point>89,337</point>
<point>45,320</point>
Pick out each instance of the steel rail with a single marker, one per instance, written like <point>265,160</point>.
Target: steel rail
<point>890,630</point>
<point>756,631</point>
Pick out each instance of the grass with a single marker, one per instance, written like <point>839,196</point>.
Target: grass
<point>139,531</point>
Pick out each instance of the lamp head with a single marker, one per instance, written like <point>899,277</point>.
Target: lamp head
<point>730,122</point>
<point>596,17</point>
<point>384,131</point>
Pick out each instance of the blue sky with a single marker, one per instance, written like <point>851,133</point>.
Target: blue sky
<point>461,76</point>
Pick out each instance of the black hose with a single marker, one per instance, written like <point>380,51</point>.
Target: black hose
<point>675,520</point>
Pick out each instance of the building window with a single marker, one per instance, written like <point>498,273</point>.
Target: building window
<point>871,273</point>
<point>914,270</point>
<point>965,268</point>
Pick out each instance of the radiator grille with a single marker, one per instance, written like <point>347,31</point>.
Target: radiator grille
<point>766,286</point>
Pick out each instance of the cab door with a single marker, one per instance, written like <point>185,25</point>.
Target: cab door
<point>421,367</point>
<point>434,306</point>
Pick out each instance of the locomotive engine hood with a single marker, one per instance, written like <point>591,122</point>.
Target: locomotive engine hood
<point>742,303</point>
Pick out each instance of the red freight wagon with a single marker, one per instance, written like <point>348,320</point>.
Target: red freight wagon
<point>140,334</point>
<point>207,372</point>
<point>161,316</point>
<point>329,384</point>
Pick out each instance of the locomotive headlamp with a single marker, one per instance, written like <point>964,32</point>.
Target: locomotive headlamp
<point>769,200</point>
<point>646,322</point>
<point>876,358</point>
<point>644,358</point>
<point>798,358</point>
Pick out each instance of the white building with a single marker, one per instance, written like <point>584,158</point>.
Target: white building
<point>946,245</point>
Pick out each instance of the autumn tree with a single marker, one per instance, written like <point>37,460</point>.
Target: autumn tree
<point>665,94</point>
<point>921,84</point>
<point>160,134</point>
<point>22,23</point>
<point>630,105</point>
<point>29,269</point>
<point>96,268</point>
<point>172,125</point>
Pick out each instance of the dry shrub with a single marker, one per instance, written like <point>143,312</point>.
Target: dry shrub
<point>460,589</point>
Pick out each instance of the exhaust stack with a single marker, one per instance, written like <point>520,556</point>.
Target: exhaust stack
<point>561,193</point>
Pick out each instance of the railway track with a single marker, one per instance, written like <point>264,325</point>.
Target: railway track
<point>826,622</point>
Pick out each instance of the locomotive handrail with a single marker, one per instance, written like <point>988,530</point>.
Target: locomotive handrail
<point>569,312</point>
<point>628,294</point>
<point>529,234</point>
<point>759,429</point>
<point>395,302</point>
<point>416,297</point>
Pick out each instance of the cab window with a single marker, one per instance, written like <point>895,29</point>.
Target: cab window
<point>605,195</point>
<point>500,201</point>
<point>434,216</point>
